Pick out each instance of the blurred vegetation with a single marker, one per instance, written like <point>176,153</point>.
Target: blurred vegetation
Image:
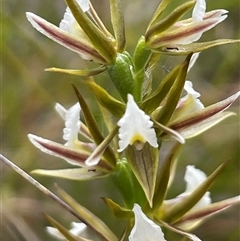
<point>28,96</point>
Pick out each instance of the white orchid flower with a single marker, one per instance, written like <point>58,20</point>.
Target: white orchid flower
<point>135,127</point>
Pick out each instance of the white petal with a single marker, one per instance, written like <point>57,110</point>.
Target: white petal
<point>78,228</point>
<point>194,178</point>
<point>192,61</point>
<point>55,233</point>
<point>61,110</point>
<point>199,10</point>
<point>72,124</point>
<point>192,97</point>
<point>135,126</point>
<point>144,229</point>
<point>68,23</point>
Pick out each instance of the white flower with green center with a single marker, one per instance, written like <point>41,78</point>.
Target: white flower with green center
<point>144,229</point>
<point>135,127</point>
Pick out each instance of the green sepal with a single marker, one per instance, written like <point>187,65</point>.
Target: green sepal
<point>175,212</point>
<point>157,14</point>
<point>82,72</point>
<point>154,99</point>
<point>158,28</point>
<point>117,210</point>
<point>118,23</point>
<point>121,74</point>
<point>172,98</point>
<point>127,184</point>
<point>114,106</point>
<point>91,220</point>
<point>65,232</point>
<point>93,128</point>
<point>98,39</point>
<point>144,165</point>
<point>164,175</point>
<point>180,49</point>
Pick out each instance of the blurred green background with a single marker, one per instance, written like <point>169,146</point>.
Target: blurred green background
<point>28,95</point>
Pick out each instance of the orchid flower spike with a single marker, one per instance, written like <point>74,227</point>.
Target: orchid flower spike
<point>144,229</point>
<point>135,127</point>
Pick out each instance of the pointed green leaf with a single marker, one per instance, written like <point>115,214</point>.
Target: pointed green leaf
<point>83,72</point>
<point>118,23</point>
<point>144,166</point>
<point>121,74</point>
<point>117,210</point>
<point>93,128</point>
<point>164,175</point>
<point>194,47</point>
<point>89,218</point>
<point>154,99</point>
<point>80,174</point>
<point>157,14</point>
<point>174,94</point>
<point>167,22</point>
<point>114,106</point>
<point>178,210</point>
<point>65,232</point>
<point>96,155</point>
<point>98,39</point>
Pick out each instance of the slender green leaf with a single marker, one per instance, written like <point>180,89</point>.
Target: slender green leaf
<point>174,94</point>
<point>114,106</point>
<point>167,22</point>
<point>93,128</point>
<point>194,47</point>
<point>80,174</point>
<point>117,210</point>
<point>65,232</point>
<point>83,72</point>
<point>157,14</point>
<point>154,99</point>
<point>89,218</point>
<point>118,23</point>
